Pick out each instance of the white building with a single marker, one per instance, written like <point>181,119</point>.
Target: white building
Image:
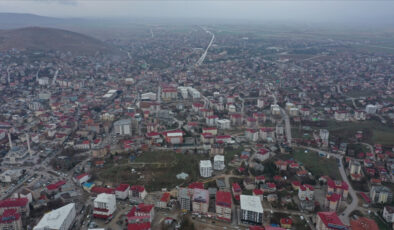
<point>194,93</point>
<point>184,92</point>
<point>324,134</point>
<point>10,175</point>
<point>58,219</point>
<point>305,192</point>
<point>148,96</point>
<point>122,191</point>
<point>251,209</point>
<point>206,168</point>
<point>223,123</point>
<point>260,103</point>
<point>371,109</point>
<point>122,127</point>
<point>275,110</point>
<point>104,206</point>
<point>218,162</point>
<point>388,214</point>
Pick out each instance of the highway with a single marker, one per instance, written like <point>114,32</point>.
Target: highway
<point>202,58</point>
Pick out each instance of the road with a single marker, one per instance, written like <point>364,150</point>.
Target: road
<point>353,206</point>
<point>202,58</point>
<point>287,120</point>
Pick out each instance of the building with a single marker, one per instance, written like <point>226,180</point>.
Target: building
<point>286,223</point>
<point>305,192</point>
<point>165,198</point>
<point>223,123</point>
<point>355,170</point>
<point>82,178</point>
<point>122,191</point>
<point>174,137</point>
<point>10,175</point>
<point>104,206</point>
<point>200,201</point>
<point>123,127</point>
<point>363,223</point>
<point>58,219</point>
<point>388,214</point>
<point>223,205</point>
<point>185,198</point>
<point>19,204</point>
<point>205,168</point>
<point>237,191</point>
<point>137,191</point>
<point>332,201</point>
<point>340,187</point>
<point>371,109</point>
<point>251,209</point>
<point>324,134</point>
<point>141,213</point>
<point>381,194</point>
<point>10,219</point>
<point>329,220</point>
<point>218,162</point>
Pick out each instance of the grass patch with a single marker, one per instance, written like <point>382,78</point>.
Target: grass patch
<point>153,176</point>
<point>156,156</point>
<point>229,153</point>
<point>317,165</point>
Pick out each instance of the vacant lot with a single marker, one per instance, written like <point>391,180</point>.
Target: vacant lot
<point>159,171</point>
<point>374,132</point>
<point>317,165</point>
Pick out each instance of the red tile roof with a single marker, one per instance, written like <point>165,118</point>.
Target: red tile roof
<point>122,187</point>
<point>139,226</point>
<point>9,216</point>
<point>165,197</point>
<point>199,185</point>
<point>330,218</point>
<point>138,188</point>
<point>223,198</point>
<point>363,223</point>
<point>14,202</point>
<point>98,190</point>
<point>56,185</point>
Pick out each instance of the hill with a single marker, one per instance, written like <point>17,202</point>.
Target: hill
<point>46,39</point>
<point>16,20</point>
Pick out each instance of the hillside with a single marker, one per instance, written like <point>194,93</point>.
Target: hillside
<point>46,39</point>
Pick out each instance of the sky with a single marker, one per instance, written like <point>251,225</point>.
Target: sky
<point>378,11</point>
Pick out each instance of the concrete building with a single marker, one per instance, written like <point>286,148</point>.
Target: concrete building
<point>305,192</point>
<point>223,205</point>
<point>122,191</point>
<point>185,198</point>
<point>355,170</point>
<point>381,194</point>
<point>251,209</point>
<point>200,201</point>
<point>329,221</point>
<point>206,168</point>
<point>371,109</point>
<point>123,127</point>
<point>58,219</point>
<point>388,214</point>
<point>104,206</point>
<point>218,162</point>
<point>10,219</point>
<point>324,134</point>
<point>223,123</point>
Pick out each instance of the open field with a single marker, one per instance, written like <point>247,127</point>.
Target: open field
<point>159,171</point>
<point>317,165</point>
<point>374,131</point>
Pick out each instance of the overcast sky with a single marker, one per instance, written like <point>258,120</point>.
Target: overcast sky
<point>378,11</point>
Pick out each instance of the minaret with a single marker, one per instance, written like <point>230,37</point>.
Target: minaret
<point>9,139</point>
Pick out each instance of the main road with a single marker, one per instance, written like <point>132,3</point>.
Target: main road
<point>201,60</point>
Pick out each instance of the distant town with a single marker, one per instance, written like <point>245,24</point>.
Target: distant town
<point>199,127</point>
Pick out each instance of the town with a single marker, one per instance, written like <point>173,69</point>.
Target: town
<point>199,127</point>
